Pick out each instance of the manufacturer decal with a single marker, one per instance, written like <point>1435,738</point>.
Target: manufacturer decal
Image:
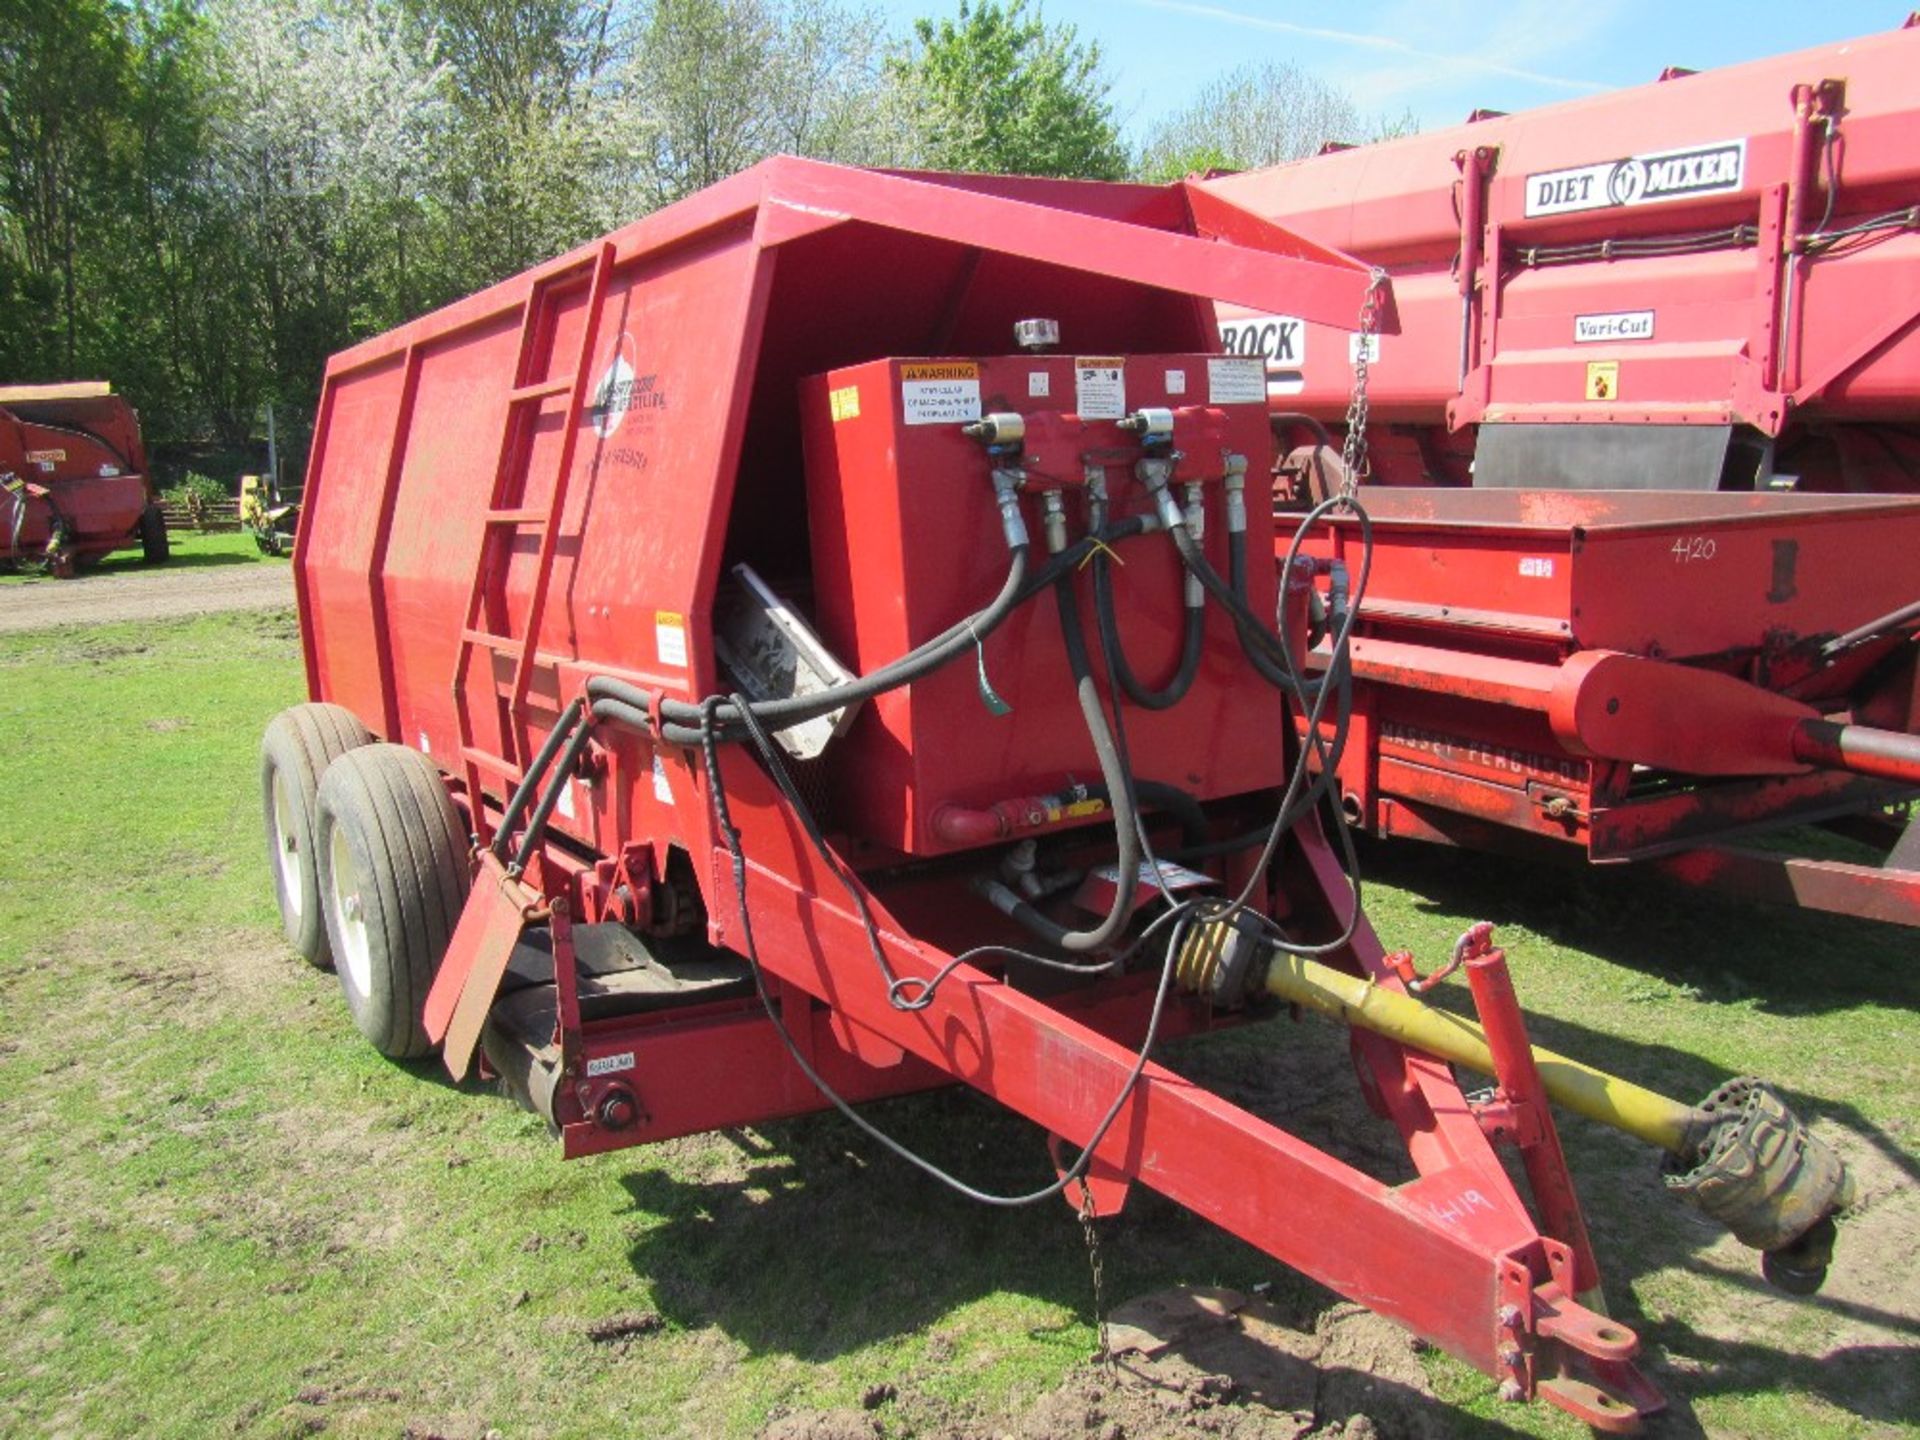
<point>610,1064</point>
<point>46,457</point>
<point>1536,567</point>
<point>1620,325</point>
<point>947,393</point>
<point>1280,340</point>
<point>1100,387</point>
<point>623,389</point>
<point>1716,169</point>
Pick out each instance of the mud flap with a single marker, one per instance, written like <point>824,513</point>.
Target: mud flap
<point>497,911</point>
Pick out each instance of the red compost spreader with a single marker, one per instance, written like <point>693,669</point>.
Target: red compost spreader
<point>814,657</point>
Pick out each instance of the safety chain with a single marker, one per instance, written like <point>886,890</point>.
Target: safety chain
<point>1353,452</point>
<point>1104,1355</point>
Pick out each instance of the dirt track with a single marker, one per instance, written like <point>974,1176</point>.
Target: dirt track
<point>146,595</point>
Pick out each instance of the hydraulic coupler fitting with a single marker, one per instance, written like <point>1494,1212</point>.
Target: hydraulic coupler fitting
<point>1759,1171</point>
<point>999,429</point>
<point>1055,521</point>
<point>1006,489</point>
<point>1196,516</point>
<point>1154,426</point>
<point>1156,473</point>
<point>1236,486</point>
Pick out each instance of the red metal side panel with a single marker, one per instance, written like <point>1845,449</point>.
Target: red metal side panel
<point>337,541</point>
<point>1642,572</point>
<point>1855,340</point>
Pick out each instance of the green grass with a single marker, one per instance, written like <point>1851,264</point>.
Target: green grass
<point>191,549</point>
<point>225,1216</point>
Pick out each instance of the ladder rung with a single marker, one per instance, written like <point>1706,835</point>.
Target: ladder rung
<point>540,390</point>
<point>489,640</point>
<point>487,760</point>
<point>527,516</point>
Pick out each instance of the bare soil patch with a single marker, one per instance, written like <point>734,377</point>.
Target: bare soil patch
<point>156,594</point>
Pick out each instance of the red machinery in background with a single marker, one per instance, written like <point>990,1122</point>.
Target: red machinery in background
<point>74,483</point>
<point>598,553</point>
<point>1708,282</point>
<point>1711,283</point>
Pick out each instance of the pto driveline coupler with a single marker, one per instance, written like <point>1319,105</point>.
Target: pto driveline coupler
<point>1760,1172</point>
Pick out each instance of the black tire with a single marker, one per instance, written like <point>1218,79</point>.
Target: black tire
<point>154,548</point>
<point>393,880</point>
<point>299,745</point>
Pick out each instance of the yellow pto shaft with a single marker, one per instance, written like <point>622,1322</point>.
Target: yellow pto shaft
<point>1640,1112</point>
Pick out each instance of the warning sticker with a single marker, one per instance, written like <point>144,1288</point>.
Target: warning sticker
<point>1603,380</point>
<point>1176,382</point>
<point>670,637</point>
<point>845,403</point>
<point>1236,380</point>
<point>1100,387</point>
<point>946,393</point>
<point>662,788</point>
<point>1039,384</point>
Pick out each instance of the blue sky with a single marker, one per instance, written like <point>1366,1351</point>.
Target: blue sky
<point>1438,58</point>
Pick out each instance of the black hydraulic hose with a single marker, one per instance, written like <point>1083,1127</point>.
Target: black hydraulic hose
<point>1279,675</point>
<point>1192,640</point>
<point>1119,787</point>
<point>1192,637</point>
<point>620,703</point>
<point>530,782</point>
<point>1280,419</point>
<point>542,812</point>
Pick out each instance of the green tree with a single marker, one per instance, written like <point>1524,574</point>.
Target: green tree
<point>1255,116</point>
<point>997,89</point>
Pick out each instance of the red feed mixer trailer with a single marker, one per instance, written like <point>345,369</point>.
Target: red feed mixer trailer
<point>708,726</point>
<point>1710,284</point>
<point>74,483</point>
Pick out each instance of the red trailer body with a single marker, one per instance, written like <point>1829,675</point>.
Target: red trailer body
<point>1713,280</point>
<point>75,471</point>
<point>528,520</point>
<point>1628,672</point>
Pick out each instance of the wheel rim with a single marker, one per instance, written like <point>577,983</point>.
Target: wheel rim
<point>350,915</point>
<point>286,848</point>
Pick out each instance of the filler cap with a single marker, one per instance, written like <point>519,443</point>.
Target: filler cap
<point>1036,337</point>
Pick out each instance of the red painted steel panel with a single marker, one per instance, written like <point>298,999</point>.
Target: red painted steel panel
<point>1701,341</point>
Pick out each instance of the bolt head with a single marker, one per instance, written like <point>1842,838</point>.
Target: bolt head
<point>1510,1316</point>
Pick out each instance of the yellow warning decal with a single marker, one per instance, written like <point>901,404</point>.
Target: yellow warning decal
<point>41,457</point>
<point>942,370</point>
<point>1603,380</point>
<point>845,402</point>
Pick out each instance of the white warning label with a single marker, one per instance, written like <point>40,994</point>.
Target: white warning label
<point>1100,387</point>
<point>670,637</point>
<point>946,393</point>
<point>1234,380</point>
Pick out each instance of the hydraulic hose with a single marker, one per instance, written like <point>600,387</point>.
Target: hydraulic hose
<point>530,782</point>
<point>1192,638</point>
<point>1113,772</point>
<point>681,723</point>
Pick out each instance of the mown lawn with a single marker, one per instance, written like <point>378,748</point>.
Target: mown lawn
<point>225,1216</point>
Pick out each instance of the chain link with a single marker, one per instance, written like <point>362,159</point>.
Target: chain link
<point>1353,452</point>
<point>1091,1231</point>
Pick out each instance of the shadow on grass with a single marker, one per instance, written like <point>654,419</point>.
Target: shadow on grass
<point>1786,961</point>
